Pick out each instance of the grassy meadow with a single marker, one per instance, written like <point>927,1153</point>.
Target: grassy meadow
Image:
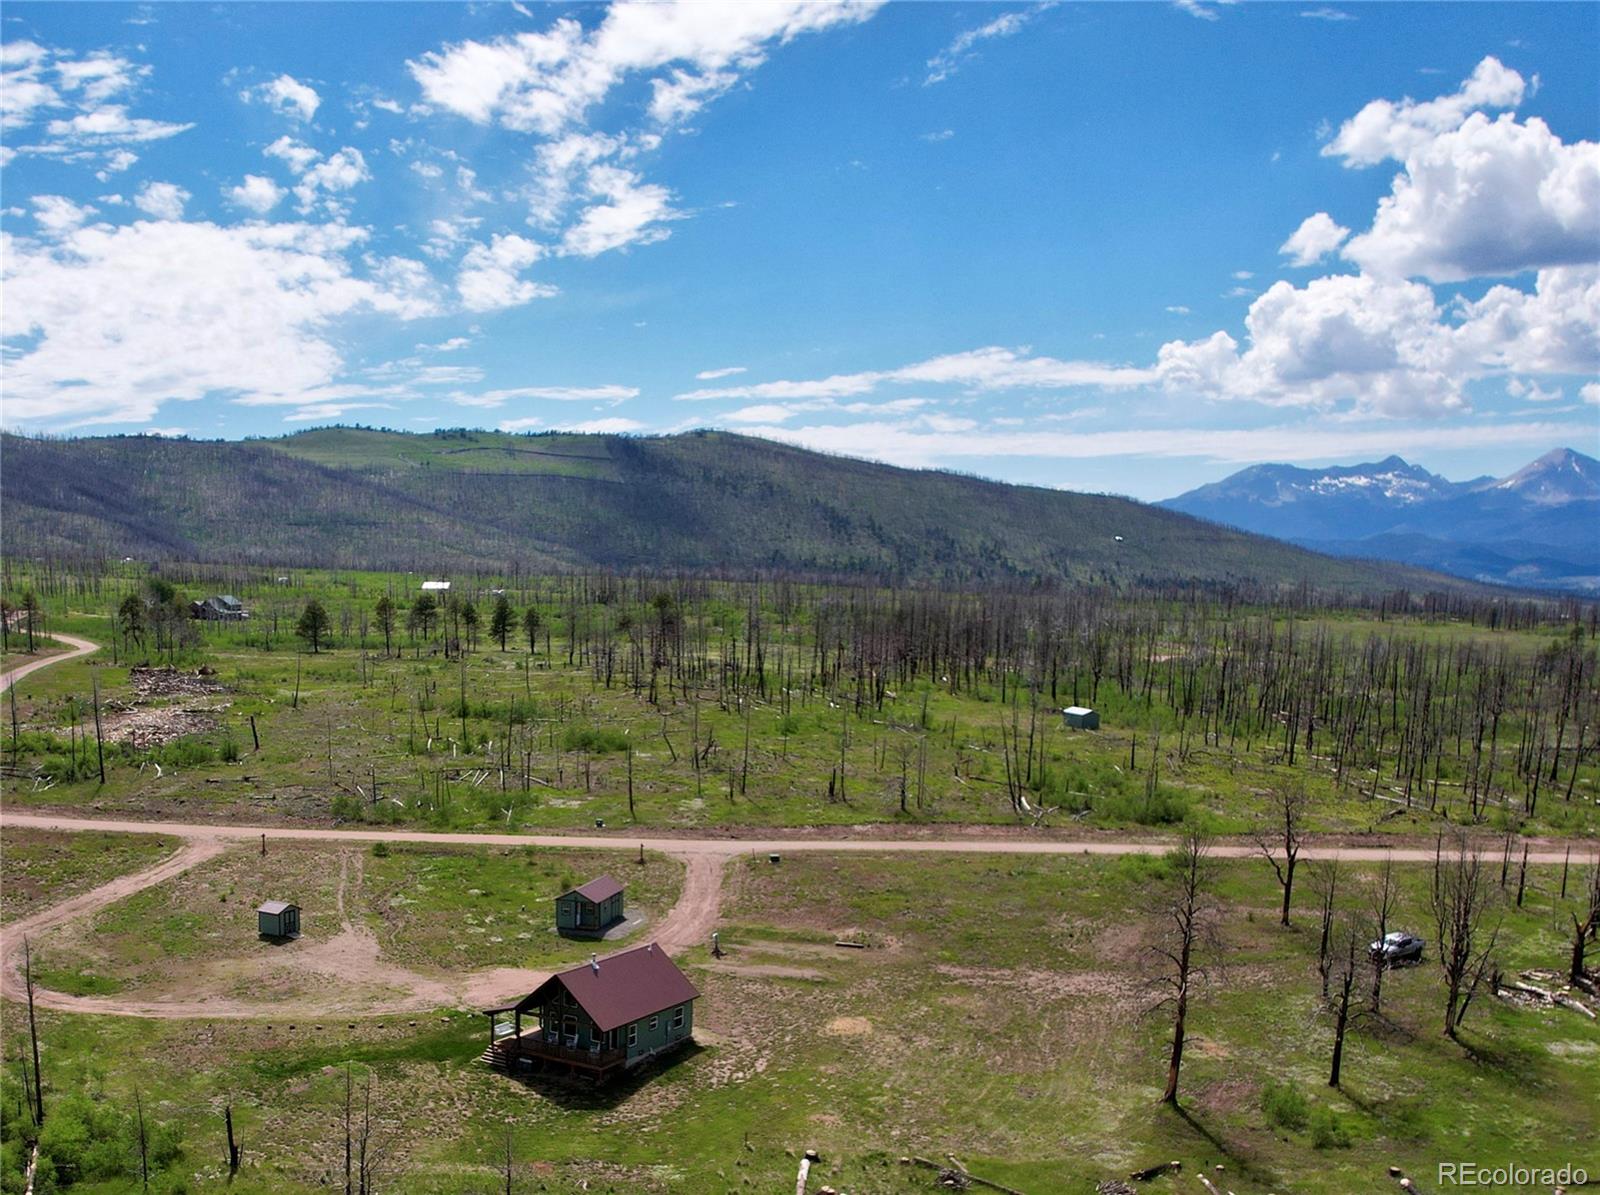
<point>555,734</point>
<point>1001,1013</point>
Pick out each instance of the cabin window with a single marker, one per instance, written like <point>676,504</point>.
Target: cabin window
<point>677,1017</point>
<point>633,1034</point>
<point>654,1022</point>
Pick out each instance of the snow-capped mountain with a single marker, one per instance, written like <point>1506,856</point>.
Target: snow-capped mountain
<point>1555,479</point>
<point>1538,527</point>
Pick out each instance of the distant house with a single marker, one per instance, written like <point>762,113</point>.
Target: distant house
<point>589,910</point>
<point>436,587</point>
<point>1081,717</point>
<point>278,919</point>
<point>221,607</point>
<point>599,1018</point>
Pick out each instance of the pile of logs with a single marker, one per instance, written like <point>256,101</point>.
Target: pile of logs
<point>1526,989</point>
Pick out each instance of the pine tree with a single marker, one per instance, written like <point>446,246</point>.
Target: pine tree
<point>500,622</point>
<point>313,625</point>
<point>383,614</point>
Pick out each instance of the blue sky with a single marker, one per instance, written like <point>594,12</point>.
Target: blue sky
<point>1122,247</point>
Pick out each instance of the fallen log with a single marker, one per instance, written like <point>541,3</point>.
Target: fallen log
<point>1150,1172</point>
<point>1530,990</point>
<point>955,1167</point>
<point>1567,1001</point>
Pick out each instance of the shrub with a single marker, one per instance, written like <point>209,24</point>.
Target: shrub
<point>1164,807</point>
<point>87,1139</point>
<point>184,753</point>
<point>1285,1106</point>
<point>380,850</point>
<point>1328,1131</point>
<point>597,740</point>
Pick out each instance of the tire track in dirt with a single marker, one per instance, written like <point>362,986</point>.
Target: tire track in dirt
<point>371,986</point>
<point>192,853</point>
<point>80,647</point>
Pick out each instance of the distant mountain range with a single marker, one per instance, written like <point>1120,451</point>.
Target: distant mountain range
<point>702,501</point>
<point>1537,528</point>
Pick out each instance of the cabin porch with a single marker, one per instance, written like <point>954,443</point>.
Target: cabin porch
<point>521,1041</point>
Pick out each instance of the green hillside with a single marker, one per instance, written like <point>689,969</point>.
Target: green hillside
<point>700,501</point>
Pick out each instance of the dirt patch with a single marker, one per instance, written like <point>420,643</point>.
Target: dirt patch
<point>849,1026</point>
<point>827,950</point>
<point>1110,987</point>
<point>151,727</point>
<point>1209,1047</point>
<point>1228,1095</point>
<point>1120,942</point>
<point>168,681</point>
<point>766,970</point>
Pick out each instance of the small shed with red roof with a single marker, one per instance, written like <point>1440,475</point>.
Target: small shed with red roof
<point>589,910</point>
<point>606,1014</point>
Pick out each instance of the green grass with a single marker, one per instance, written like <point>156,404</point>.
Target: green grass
<point>397,721</point>
<point>42,867</point>
<point>999,1016</point>
<point>449,907</point>
<point>434,910</point>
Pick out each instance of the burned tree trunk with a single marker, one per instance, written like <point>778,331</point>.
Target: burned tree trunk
<point>1286,816</point>
<point>1186,917</point>
<point>1341,1020</point>
<point>1461,895</point>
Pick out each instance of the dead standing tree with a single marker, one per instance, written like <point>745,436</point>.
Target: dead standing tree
<point>1462,896</point>
<point>1285,831</point>
<point>1187,931</point>
<point>1325,883</point>
<point>1584,929</point>
<point>1385,896</point>
<point>1345,1010</point>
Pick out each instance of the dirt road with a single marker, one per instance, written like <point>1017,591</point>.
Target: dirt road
<point>80,647</point>
<point>370,985</point>
<point>727,847</point>
<point>352,956</point>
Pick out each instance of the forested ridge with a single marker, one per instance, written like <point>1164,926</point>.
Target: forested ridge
<point>702,501</point>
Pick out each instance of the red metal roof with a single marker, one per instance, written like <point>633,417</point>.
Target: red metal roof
<point>597,890</point>
<point>623,988</point>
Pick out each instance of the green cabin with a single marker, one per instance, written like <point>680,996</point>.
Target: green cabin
<point>588,911</point>
<point>278,919</point>
<point>1081,717</point>
<point>599,1018</point>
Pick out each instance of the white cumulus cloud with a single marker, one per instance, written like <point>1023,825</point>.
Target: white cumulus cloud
<point>287,96</point>
<point>257,194</point>
<point>1390,129</point>
<point>164,201</point>
<point>1316,237</point>
<point>488,279</point>
<point>104,324</point>
<point>631,213</point>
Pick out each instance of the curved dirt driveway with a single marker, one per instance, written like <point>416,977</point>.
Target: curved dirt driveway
<point>80,647</point>
<point>353,957</point>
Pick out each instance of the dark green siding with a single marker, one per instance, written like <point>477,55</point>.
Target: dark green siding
<point>573,912</point>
